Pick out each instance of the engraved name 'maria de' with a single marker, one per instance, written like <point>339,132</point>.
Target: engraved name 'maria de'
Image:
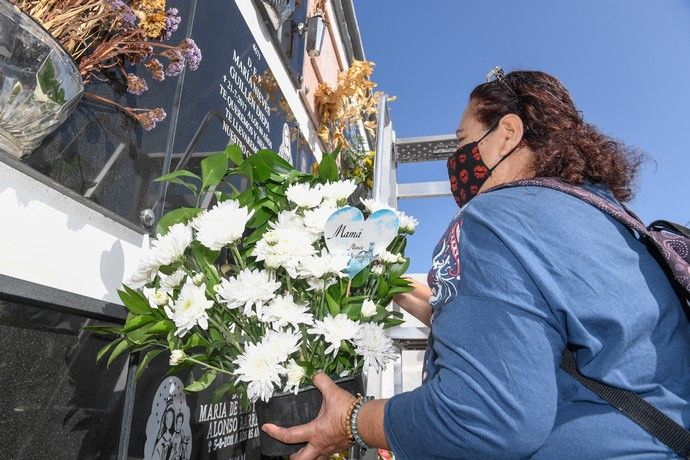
<point>342,232</point>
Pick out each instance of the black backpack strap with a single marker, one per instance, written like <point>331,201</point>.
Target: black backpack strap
<point>651,419</point>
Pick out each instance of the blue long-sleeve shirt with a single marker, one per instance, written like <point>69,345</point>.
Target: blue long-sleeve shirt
<point>520,273</point>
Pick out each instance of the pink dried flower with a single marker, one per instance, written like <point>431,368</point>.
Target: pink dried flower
<point>156,69</point>
<point>149,118</point>
<point>136,85</point>
<point>192,53</point>
<point>172,22</point>
<point>176,59</point>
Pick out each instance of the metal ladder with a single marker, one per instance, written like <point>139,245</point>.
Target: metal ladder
<point>390,152</point>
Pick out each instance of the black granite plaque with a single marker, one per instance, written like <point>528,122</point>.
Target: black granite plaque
<point>56,402</point>
<point>168,423</point>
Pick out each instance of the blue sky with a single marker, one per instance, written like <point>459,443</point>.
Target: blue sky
<point>625,62</point>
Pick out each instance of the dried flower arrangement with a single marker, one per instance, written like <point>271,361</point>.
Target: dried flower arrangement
<point>109,35</point>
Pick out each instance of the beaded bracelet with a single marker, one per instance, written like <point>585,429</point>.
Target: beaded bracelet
<point>354,412</point>
<point>348,426</point>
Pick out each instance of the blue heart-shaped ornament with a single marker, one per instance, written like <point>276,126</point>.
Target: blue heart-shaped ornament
<point>361,239</point>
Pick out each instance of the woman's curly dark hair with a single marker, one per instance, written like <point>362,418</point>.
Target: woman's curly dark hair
<point>564,145</point>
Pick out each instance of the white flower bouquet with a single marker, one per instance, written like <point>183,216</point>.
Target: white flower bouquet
<point>249,287</point>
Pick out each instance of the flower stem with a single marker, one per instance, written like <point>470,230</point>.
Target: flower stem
<point>236,253</point>
<point>217,369</point>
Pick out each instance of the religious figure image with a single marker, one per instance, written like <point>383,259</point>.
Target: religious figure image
<point>168,433</point>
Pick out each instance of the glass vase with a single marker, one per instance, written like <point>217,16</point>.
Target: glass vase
<point>40,84</point>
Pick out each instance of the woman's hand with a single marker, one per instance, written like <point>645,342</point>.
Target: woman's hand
<point>416,302</point>
<point>327,433</point>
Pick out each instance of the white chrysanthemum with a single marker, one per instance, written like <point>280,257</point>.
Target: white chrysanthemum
<point>287,220</point>
<point>373,206</point>
<point>258,367</point>
<point>144,273</point>
<point>372,343</point>
<point>408,224</point>
<point>326,263</point>
<point>315,219</point>
<point>170,282</point>
<point>190,308</point>
<point>295,374</point>
<point>377,269</point>
<point>177,357</point>
<point>338,191</point>
<point>304,196</point>
<point>170,247</point>
<point>221,225</point>
<point>198,278</point>
<point>319,284</point>
<point>250,290</point>
<point>156,297</point>
<point>335,330</point>
<point>283,311</point>
<point>284,248</point>
<point>282,343</point>
<point>368,308</point>
<point>390,258</point>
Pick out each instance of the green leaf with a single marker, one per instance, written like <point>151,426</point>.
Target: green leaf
<point>161,327</point>
<point>246,198</point>
<point>398,269</point>
<point>399,290</point>
<point>261,169</point>
<point>103,330</point>
<point>246,170</point>
<point>383,287</point>
<point>176,216</point>
<point>228,387</point>
<point>328,169</point>
<point>361,278</point>
<point>213,169</point>
<point>191,187</point>
<point>333,306</point>
<point>117,351</point>
<point>175,175</point>
<point>234,154</point>
<point>202,253</point>
<point>140,336</point>
<point>143,364</point>
<point>260,217</point>
<point>393,322</point>
<point>134,301</point>
<point>105,349</point>
<point>135,322</point>
<point>203,382</point>
<point>275,162</point>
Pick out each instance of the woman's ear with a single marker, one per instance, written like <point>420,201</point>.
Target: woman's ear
<point>512,129</point>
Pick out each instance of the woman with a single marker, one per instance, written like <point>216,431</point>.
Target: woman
<point>520,274</point>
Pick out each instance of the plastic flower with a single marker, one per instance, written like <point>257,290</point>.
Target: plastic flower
<point>258,367</point>
<point>338,191</point>
<point>335,329</point>
<point>304,196</point>
<point>250,290</point>
<point>171,246</point>
<point>221,225</point>
<point>177,357</point>
<point>284,311</point>
<point>368,308</point>
<point>189,309</point>
<point>295,373</point>
<point>372,343</point>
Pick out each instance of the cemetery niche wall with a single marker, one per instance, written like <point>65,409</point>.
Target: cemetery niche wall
<point>233,97</point>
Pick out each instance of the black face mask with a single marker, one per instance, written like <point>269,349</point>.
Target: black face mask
<point>468,172</point>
